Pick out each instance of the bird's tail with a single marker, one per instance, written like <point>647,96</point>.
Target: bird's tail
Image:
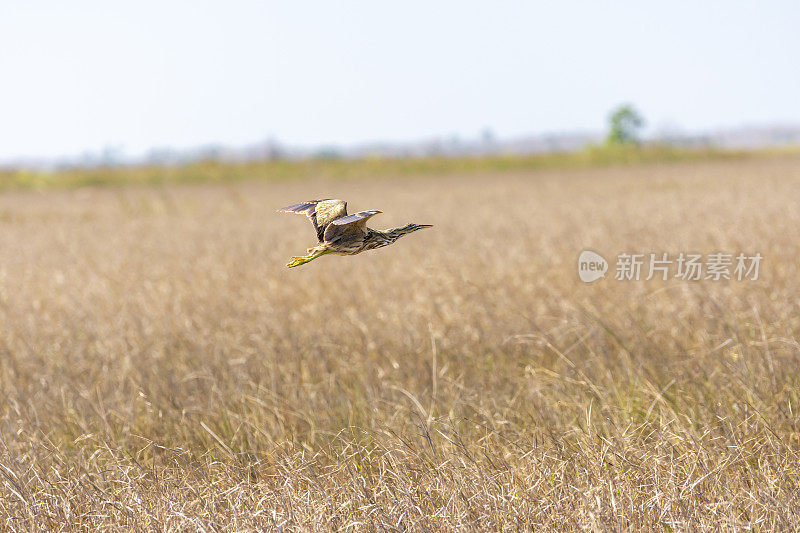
<point>313,253</point>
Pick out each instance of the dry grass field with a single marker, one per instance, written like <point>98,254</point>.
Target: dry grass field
<point>161,370</point>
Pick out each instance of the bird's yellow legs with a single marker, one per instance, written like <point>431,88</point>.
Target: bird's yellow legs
<point>303,259</point>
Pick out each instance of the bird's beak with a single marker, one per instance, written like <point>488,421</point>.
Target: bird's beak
<point>424,226</point>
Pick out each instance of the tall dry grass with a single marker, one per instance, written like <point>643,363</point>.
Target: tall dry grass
<point>162,370</point>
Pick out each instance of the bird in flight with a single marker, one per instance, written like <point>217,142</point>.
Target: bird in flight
<point>343,234</point>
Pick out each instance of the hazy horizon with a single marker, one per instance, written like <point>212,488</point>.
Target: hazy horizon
<point>89,75</point>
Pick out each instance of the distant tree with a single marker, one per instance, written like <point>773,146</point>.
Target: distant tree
<point>328,153</point>
<point>274,150</point>
<point>624,125</point>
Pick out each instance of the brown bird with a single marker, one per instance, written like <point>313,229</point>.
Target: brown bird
<point>343,234</point>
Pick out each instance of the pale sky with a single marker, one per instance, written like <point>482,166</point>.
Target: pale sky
<point>82,75</point>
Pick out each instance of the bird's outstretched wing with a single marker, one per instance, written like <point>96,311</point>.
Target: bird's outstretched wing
<point>350,224</point>
<point>359,219</point>
<point>320,212</point>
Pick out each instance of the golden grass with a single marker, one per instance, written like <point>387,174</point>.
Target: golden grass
<point>162,370</point>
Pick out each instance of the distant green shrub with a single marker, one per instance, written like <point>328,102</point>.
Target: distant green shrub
<point>625,122</point>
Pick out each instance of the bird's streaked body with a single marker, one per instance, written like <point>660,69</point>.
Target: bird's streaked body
<point>343,234</point>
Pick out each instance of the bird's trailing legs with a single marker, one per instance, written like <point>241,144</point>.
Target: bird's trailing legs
<point>313,253</point>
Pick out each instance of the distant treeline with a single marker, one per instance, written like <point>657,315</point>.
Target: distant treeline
<point>214,171</point>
